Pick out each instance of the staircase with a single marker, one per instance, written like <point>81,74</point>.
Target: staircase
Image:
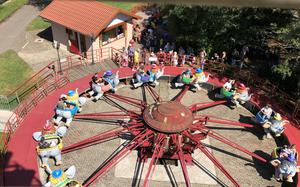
<point>84,70</point>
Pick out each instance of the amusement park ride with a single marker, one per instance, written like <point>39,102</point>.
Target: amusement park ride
<point>162,130</point>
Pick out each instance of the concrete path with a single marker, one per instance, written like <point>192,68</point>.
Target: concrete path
<point>4,116</point>
<point>13,30</point>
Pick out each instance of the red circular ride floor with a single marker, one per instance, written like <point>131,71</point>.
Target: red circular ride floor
<point>21,167</point>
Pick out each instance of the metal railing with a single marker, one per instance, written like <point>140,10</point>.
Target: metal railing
<point>28,94</point>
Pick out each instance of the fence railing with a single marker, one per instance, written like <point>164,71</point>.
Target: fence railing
<point>267,88</point>
<point>52,77</point>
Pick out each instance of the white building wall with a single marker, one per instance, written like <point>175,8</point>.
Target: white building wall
<point>59,35</point>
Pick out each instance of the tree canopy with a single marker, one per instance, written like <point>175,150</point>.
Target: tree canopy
<point>266,31</point>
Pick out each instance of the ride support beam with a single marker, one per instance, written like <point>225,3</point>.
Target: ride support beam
<point>182,93</point>
<point>212,158</point>
<point>133,144</point>
<point>223,139</point>
<point>157,153</point>
<point>153,93</point>
<point>220,121</point>
<point>104,136</point>
<point>198,106</point>
<point>128,100</point>
<point>182,162</point>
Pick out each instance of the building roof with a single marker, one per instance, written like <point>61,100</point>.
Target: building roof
<point>88,17</point>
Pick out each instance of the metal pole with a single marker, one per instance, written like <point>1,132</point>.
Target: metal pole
<point>58,56</point>
<point>17,97</point>
<point>56,45</point>
<point>92,38</point>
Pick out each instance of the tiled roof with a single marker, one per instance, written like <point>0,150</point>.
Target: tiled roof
<point>85,16</point>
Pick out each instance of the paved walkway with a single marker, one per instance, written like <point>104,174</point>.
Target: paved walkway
<point>4,116</point>
<point>13,30</point>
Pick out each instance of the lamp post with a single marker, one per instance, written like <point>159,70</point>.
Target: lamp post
<point>56,46</point>
<point>92,39</point>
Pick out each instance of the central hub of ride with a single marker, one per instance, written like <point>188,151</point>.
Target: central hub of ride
<point>168,117</point>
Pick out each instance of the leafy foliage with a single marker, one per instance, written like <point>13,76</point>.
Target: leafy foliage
<point>223,29</point>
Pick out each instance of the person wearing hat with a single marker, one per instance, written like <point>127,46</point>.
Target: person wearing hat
<point>200,78</point>
<point>49,143</point>
<point>60,178</point>
<point>112,79</point>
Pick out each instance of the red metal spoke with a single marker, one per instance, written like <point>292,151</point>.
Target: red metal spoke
<point>104,136</point>
<point>212,158</point>
<point>133,144</point>
<point>217,163</point>
<point>204,118</point>
<point>179,97</point>
<point>153,93</point>
<point>223,139</point>
<point>199,106</point>
<point>115,115</point>
<point>157,153</point>
<point>183,163</point>
<point>128,100</point>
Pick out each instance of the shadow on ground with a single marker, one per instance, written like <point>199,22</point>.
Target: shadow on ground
<point>46,34</point>
<point>17,175</point>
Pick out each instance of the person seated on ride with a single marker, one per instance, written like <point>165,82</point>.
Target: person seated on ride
<point>73,98</point>
<point>140,77</point>
<point>185,78</point>
<point>264,115</point>
<point>227,91</point>
<point>155,73</point>
<point>49,143</point>
<point>276,126</point>
<point>285,167</point>
<point>241,95</point>
<point>112,79</point>
<point>60,178</point>
<point>99,87</point>
<point>66,110</point>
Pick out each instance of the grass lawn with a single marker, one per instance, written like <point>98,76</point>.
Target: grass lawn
<point>37,24</point>
<point>13,71</point>
<point>123,5</point>
<point>1,142</point>
<point>10,7</point>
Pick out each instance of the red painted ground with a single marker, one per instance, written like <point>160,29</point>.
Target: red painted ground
<point>21,166</point>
